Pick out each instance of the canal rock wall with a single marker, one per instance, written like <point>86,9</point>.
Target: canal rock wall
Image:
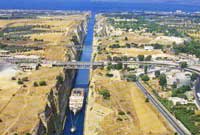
<point>79,34</point>
<point>52,119</point>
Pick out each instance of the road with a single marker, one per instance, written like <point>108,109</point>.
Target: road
<point>177,126</point>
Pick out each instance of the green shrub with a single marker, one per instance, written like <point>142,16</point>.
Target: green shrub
<point>20,82</point>
<point>109,75</point>
<point>35,84</point>
<point>146,100</point>
<point>132,78</point>
<point>121,113</point>
<point>42,83</point>
<point>105,93</point>
<point>119,119</point>
<point>59,79</point>
<point>145,78</point>
<point>140,57</point>
<point>13,78</point>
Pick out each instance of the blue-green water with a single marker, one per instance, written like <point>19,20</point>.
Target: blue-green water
<point>82,80</point>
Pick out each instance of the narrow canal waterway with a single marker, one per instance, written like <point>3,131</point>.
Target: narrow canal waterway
<point>81,81</point>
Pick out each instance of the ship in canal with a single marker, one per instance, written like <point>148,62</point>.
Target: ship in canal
<point>76,100</point>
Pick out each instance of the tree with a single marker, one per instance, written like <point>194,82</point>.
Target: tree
<point>157,73</point>
<point>148,58</point>
<point>59,79</point>
<point>194,76</point>
<point>145,78</point>
<point>119,66</point>
<point>183,64</point>
<point>163,80</point>
<point>140,57</point>
<point>145,69</point>
<point>132,78</point>
<point>179,92</point>
<point>1,34</point>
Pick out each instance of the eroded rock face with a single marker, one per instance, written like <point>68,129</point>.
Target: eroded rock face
<point>51,120</point>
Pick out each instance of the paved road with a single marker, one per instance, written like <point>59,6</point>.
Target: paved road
<point>179,129</point>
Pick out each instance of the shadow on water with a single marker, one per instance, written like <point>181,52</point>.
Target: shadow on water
<point>81,81</point>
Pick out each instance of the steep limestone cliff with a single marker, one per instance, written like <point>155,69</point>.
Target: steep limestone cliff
<point>52,119</point>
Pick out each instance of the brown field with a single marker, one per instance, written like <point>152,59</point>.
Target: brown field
<point>20,105</point>
<point>132,38</point>
<point>133,52</point>
<point>125,97</point>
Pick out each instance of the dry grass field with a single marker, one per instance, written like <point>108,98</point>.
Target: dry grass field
<point>104,118</point>
<point>21,105</point>
<point>133,52</point>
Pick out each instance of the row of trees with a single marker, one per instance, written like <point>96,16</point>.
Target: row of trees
<point>192,47</point>
<point>143,58</point>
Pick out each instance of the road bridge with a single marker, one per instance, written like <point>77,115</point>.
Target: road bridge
<point>87,65</point>
<point>78,65</point>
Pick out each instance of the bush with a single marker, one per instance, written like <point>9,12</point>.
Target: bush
<point>35,84</point>
<point>109,75</point>
<point>183,64</point>
<point>105,94</point>
<point>157,74</point>
<point>140,57</point>
<point>25,79</point>
<point>146,100</point>
<point>119,119</point>
<point>132,78</point>
<point>20,82</point>
<point>114,46</point>
<point>121,113</point>
<point>145,78</point>
<point>42,83</point>
<point>59,79</point>
<point>13,78</point>
<point>194,76</point>
<point>119,66</point>
<point>148,58</point>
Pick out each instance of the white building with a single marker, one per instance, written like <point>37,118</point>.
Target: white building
<point>178,77</point>
<point>149,48</point>
<point>28,66</point>
<point>177,100</point>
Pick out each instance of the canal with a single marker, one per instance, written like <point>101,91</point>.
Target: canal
<point>81,81</point>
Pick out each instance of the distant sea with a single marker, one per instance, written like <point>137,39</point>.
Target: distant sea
<point>93,6</point>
